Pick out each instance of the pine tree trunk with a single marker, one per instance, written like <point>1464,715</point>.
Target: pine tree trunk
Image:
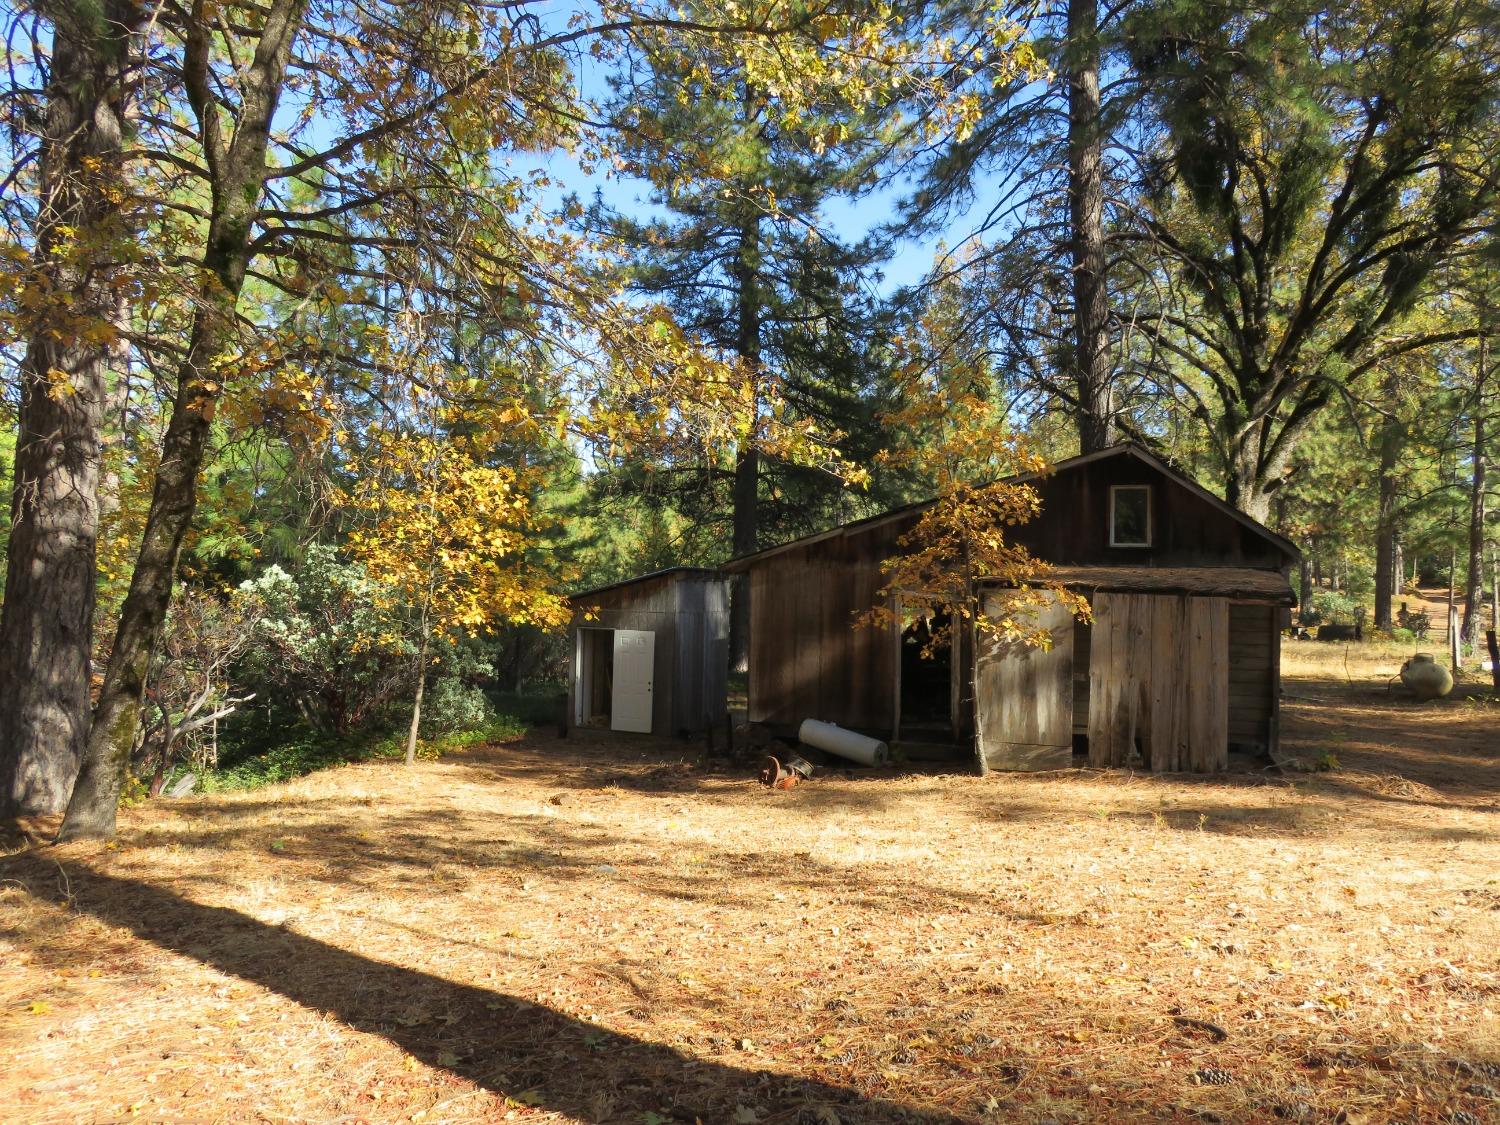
<point>1091,349</point>
<point>238,168</point>
<point>1474,575</point>
<point>1304,585</point>
<point>1387,573</point>
<point>746,533</point>
<point>46,624</point>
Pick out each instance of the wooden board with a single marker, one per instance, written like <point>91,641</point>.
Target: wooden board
<point>1208,684</point>
<point>1113,696</point>
<point>1159,683</point>
<point>1023,699</point>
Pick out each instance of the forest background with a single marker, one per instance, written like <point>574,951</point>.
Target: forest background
<point>345,340</point>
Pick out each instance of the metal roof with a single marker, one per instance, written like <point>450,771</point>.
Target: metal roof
<point>701,571</point>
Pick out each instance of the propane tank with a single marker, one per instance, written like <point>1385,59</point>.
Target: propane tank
<point>1426,678</point>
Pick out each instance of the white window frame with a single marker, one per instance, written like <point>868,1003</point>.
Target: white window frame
<point>1115,490</point>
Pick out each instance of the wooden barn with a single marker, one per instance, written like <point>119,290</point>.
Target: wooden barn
<point>1180,665</point>
<point>649,655</point>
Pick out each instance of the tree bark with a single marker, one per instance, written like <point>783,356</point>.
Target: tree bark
<point>1251,482</point>
<point>1304,584</point>
<point>416,703</point>
<point>1387,577</point>
<point>1091,346</point>
<point>746,533</point>
<point>1474,575</point>
<point>237,171</point>
<point>46,624</point>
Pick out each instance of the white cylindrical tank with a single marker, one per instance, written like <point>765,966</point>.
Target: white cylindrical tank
<point>845,743</point>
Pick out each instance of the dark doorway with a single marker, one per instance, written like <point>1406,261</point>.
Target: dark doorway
<point>926,680</point>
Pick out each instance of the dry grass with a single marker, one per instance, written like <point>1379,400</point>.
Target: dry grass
<point>564,931</point>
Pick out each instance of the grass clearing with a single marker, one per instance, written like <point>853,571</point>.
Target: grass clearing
<point>539,930</point>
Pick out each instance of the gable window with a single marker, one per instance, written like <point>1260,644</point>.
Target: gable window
<point>1130,515</point>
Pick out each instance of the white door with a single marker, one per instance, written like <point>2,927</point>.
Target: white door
<point>635,657</point>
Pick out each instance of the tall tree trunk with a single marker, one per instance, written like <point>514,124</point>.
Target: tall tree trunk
<point>237,169</point>
<point>46,624</point>
<point>416,703</point>
<point>1455,650</point>
<point>1387,573</point>
<point>1251,484</point>
<point>1304,584</point>
<point>746,535</point>
<point>1091,351</point>
<point>1474,576</point>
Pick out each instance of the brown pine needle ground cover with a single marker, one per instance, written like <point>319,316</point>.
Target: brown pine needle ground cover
<point>589,931</point>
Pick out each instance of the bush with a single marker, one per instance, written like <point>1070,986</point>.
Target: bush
<point>257,753</point>
<point>1336,609</point>
<point>1417,625</point>
<point>451,706</point>
<point>323,645</point>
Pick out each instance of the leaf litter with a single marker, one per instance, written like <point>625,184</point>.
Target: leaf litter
<point>673,943</point>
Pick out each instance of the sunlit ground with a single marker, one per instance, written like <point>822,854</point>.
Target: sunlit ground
<point>586,931</point>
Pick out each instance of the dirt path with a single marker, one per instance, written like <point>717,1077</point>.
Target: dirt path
<point>559,931</point>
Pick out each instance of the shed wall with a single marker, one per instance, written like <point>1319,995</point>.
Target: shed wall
<point>690,618</point>
<point>1254,649</point>
<point>807,657</point>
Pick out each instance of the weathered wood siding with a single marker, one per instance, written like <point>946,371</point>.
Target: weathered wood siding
<point>1187,530</point>
<point>1159,682</point>
<point>689,614</point>
<point>808,659</point>
<point>1023,698</point>
<point>1254,643</point>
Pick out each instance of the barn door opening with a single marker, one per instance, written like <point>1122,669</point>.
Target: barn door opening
<point>926,680</point>
<point>615,686</point>
<point>593,692</point>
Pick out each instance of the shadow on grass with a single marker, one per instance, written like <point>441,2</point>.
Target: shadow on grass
<point>506,1045</point>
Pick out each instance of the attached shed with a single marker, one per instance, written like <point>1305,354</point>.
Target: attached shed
<point>650,654</point>
<point>1180,664</point>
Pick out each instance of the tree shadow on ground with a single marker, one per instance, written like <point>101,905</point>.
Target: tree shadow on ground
<point>508,1046</point>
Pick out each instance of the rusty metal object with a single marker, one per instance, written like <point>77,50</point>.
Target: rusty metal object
<point>775,775</point>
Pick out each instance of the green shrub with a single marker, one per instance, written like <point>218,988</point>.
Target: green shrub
<point>452,706</point>
<point>1336,609</point>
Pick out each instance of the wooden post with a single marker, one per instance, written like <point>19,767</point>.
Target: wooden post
<point>896,670</point>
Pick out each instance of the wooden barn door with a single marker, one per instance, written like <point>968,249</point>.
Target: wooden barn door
<point>1159,683</point>
<point>1023,698</point>
<point>635,661</point>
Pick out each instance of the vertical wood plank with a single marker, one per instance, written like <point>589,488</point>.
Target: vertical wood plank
<point>1106,668</point>
<point>893,635</point>
<point>758,684</point>
<point>1273,732</point>
<point>1208,714</point>
<point>1166,722</point>
<point>807,606</point>
<point>1024,697</point>
<point>836,643</point>
<point>1135,679</point>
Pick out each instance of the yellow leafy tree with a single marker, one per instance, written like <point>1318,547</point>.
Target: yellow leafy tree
<point>448,535</point>
<point>958,566</point>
